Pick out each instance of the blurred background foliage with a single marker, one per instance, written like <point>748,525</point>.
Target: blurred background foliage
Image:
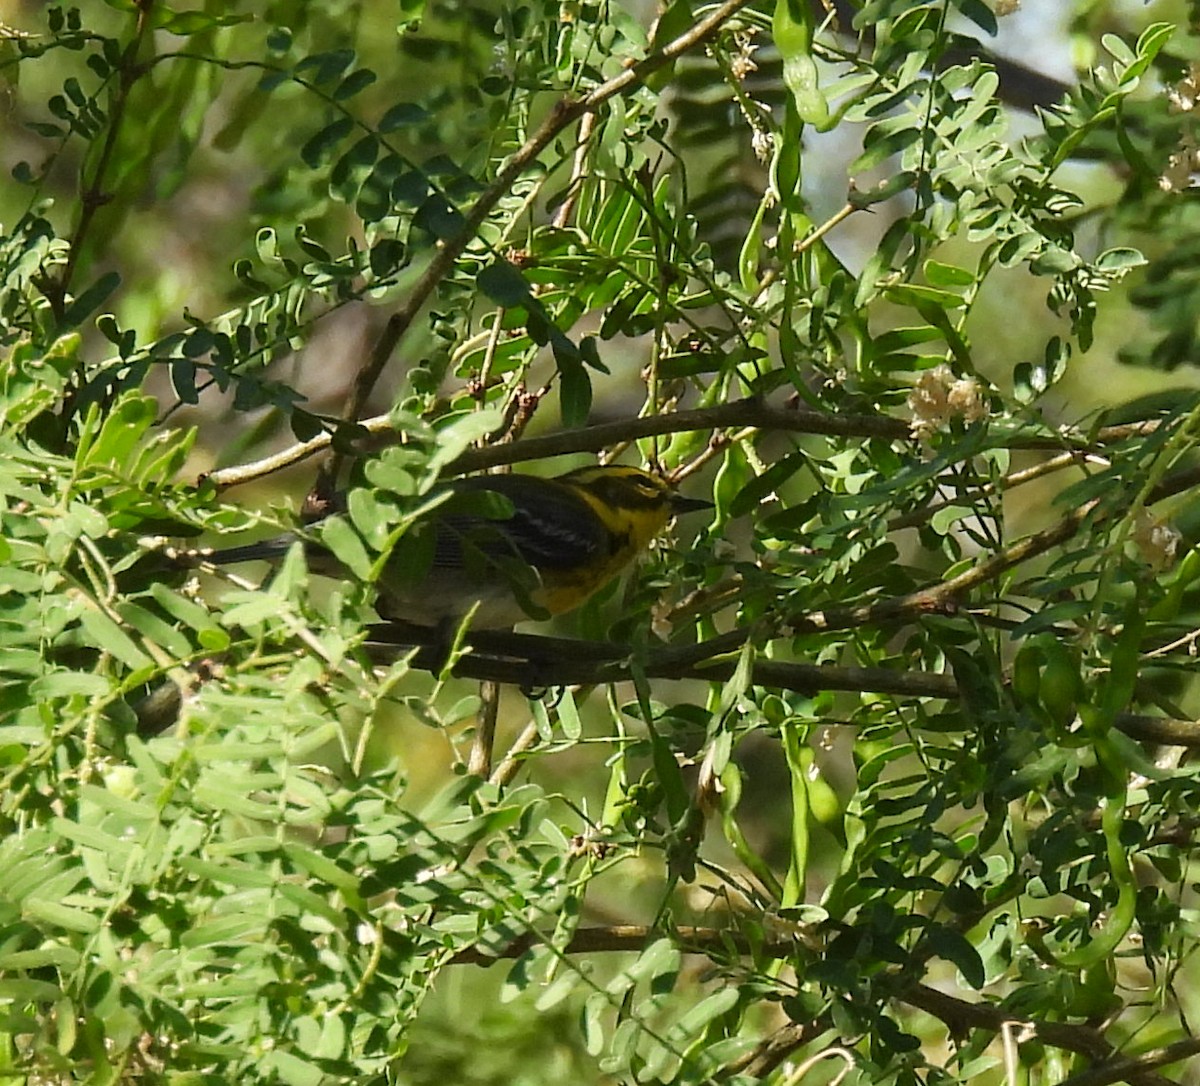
<point>944,253</point>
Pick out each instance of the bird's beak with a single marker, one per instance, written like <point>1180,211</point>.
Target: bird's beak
<point>680,504</point>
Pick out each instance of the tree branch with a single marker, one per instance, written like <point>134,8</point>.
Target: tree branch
<point>751,413</point>
<point>1137,1068</point>
<point>532,661</point>
<point>960,1015</point>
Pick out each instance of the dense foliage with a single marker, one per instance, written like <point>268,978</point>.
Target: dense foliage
<point>878,772</point>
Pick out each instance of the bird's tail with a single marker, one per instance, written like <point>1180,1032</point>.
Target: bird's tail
<point>270,550</point>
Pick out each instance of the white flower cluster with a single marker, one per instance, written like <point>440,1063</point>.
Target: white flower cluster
<point>1185,161</point>
<point>939,396</point>
<point>1157,541</point>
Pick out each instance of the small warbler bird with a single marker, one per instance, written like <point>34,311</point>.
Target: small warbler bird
<point>526,547</point>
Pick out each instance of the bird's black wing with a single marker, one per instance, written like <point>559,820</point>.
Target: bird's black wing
<point>550,527</point>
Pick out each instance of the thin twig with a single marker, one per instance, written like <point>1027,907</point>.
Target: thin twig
<point>813,236</point>
<point>759,1062</point>
<point>562,216</point>
<point>942,598</point>
<point>479,764</point>
<point>93,197</point>
<point>1071,458</point>
<point>224,478</point>
<point>756,413</point>
<point>511,762</point>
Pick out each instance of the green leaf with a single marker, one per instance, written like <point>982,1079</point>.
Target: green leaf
<point>460,433</point>
<point>883,142</point>
<point>353,84</point>
<point>1117,262</point>
<point>85,304</point>
<point>326,66</point>
<point>319,147</point>
<point>955,948</point>
<point>401,115</point>
<point>154,629</point>
<point>980,14</point>
<point>19,990</point>
<point>65,684</point>
<point>575,395</point>
<point>947,276</point>
<point>186,23</point>
<point>105,634</point>
<point>346,546</point>
<point>438,217</point>
<point>57,915</point>
<point>60,957</point>
<point>708,1009</point>
<point>792,30</point>
<point>351,170</point>
<point>322,867</point>
<point>915,295</point>
<point>501,282</point>
<point>411,14</point>
<point>183,609</point>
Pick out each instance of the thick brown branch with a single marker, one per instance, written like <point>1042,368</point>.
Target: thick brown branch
<point>960,1015</point>
<point>1137,1068</point>
<point>749,413</point>
<point>530,661</point>
<point>758,1063</point>
<point>739,413</point>
<point>758,415</point>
